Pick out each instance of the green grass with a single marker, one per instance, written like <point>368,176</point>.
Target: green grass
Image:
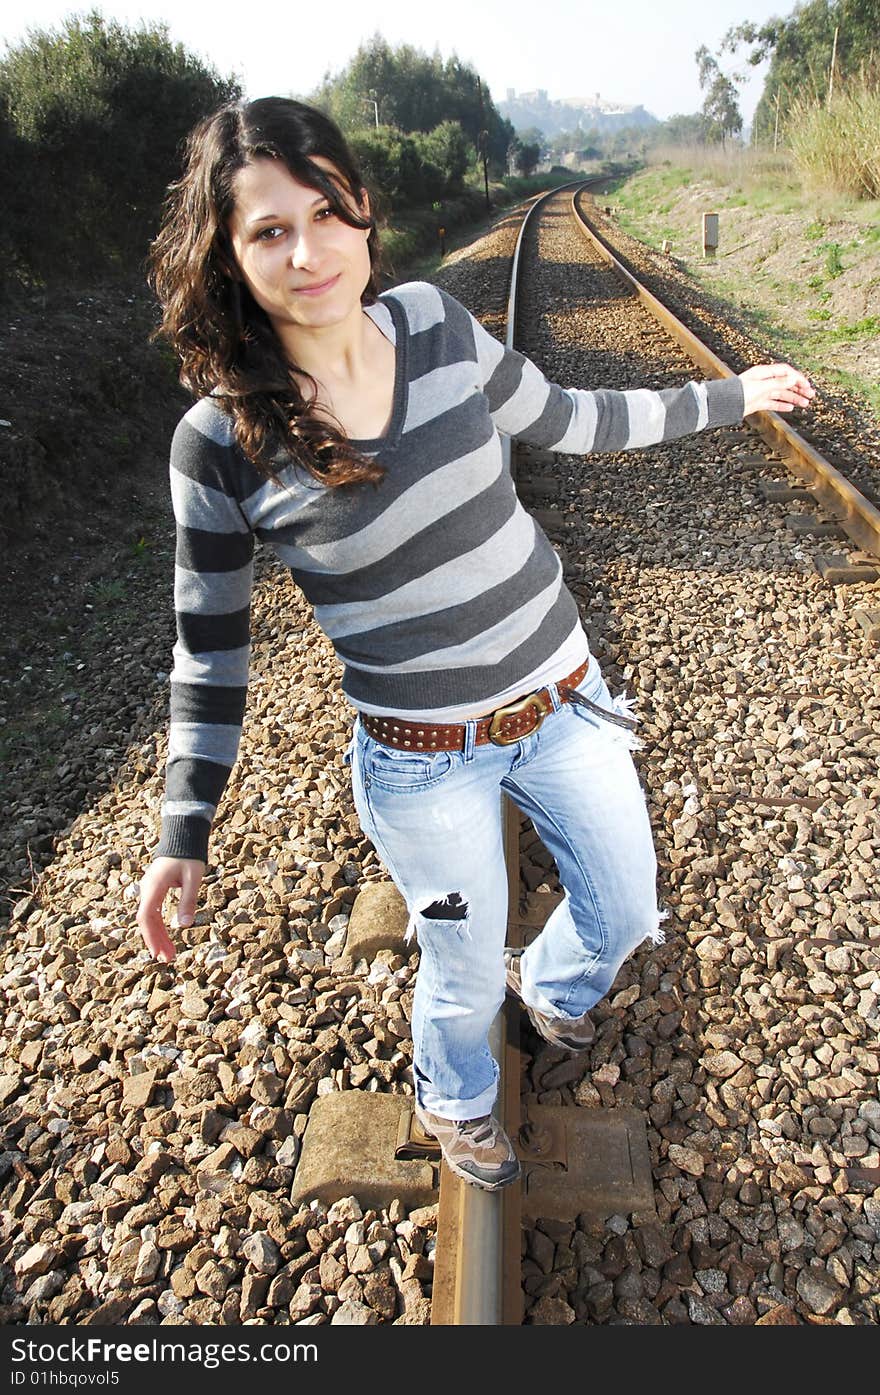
<point>868,328</point>
<point>763,301</point>
<point>139,549</point>
<point>833,260</point>
<point>866,388</point>
<point>109,592</point>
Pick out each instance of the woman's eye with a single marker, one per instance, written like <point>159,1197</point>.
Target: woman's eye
<point>324,213</point>
<point>269,234</point>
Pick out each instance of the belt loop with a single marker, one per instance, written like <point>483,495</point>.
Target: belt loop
<point>470,736</point>
<point>554,696</point>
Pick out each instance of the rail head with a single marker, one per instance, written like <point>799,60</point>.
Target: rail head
<point>857,515</point>
<point>470,1282</point>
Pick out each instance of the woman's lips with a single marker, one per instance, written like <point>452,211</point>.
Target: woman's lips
<point>318,287</point>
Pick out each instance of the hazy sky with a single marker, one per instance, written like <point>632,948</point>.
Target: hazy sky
<point>630,51</point>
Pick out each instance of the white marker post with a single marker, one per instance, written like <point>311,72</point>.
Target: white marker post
<point>710,234</point>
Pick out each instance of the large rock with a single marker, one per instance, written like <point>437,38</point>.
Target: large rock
<point>379,920</point>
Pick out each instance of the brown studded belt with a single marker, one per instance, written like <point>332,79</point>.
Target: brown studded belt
<point>502,727</point>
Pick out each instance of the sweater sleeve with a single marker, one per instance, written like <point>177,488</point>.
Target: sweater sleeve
<point>525,405</point>
<point>213,580</point>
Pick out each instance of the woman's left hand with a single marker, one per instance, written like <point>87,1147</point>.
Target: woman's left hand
<point>775,387</point>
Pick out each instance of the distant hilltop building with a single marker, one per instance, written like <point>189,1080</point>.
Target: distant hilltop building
<point>554,115</point>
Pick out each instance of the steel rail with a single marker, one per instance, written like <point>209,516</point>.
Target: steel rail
<point>856,515</point>
<point>477,1260</point>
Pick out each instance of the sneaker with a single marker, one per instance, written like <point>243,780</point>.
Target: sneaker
<point>573,1033</point>
<point>477,1150</point>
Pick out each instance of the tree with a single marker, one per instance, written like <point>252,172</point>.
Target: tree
<point>446,147</point>
<point>99,112</point>
<point>527,157</point>
<point>685,129</point>
<point>720,109</point>
<point>414,92</point>
<point>801,48</point>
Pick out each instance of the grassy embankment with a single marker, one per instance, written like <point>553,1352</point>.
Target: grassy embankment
<point>800,261</point>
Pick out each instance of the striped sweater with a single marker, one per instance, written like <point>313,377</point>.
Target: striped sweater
<point>436,588</point>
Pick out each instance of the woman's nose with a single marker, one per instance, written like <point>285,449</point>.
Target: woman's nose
<point>302,251</point>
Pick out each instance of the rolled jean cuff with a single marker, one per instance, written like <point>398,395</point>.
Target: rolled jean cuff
<point>544,1005</point>
<point>444,1108</point>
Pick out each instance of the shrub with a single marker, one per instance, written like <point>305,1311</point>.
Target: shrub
<point>95,117</point>
<point>409,170</point>
<point>447,149</point>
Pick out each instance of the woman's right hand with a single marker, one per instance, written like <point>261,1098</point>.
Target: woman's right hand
<point>161,877</point>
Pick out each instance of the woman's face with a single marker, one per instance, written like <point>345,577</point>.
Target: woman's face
<point>302,264</point>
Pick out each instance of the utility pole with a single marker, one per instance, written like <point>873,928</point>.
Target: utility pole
<point>483,142</point>
<point>371,101</point>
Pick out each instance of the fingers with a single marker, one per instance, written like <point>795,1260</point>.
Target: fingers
<point>151,924</point>
<point>780,377</point>
<point>162,876</point>
<point>190,882</point>
<point>775,387</point>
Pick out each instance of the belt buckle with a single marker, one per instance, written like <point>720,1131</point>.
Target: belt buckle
<point>532,700</point>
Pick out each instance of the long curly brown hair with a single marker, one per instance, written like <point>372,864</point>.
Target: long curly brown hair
<point>225,341</point>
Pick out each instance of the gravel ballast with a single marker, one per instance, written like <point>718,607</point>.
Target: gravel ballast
<point>153,1114</point>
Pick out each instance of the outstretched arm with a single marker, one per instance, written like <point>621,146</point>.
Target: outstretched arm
<point>526,405</point>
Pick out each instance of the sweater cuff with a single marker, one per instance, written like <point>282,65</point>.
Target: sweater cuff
<point>726,400</point>
<point>184,836</point>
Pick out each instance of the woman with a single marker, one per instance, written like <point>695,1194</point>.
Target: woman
<point>358,435</point>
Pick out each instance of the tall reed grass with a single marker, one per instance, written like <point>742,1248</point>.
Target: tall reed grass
<point>837,144</point>
<point>746,167</point>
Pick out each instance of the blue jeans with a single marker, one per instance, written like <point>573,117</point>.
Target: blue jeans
<point>435,820</point>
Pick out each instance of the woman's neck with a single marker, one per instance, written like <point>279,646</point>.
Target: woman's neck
<point>337,353</point>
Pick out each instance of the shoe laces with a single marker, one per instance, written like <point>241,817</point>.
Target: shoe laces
<point>481,1131</point>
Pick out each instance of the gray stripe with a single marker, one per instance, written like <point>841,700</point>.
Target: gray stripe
<point>581,431</point>
<point>211,421</point>
<point>490,351</point>
<point>648,418</point>
<point>523,408</point>
<point>553,421</point>
<point>199,506</point>
<point>702,405</point>
<point>286,500</point>
<point>490,647</point>
<point>725,398</point>
<point>203,741</point>
<point>382,316</point>
<point>423,305</point>
<point>682,413</point>
<point>504,380</point>
<point>439,391</point>
<point>461,579</point>
<point>220,668</point>
<point>212,593</point>
<point>426,502</point>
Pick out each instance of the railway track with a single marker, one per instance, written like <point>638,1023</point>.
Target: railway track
<point>155,1118</point>
<point>847,513</point>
